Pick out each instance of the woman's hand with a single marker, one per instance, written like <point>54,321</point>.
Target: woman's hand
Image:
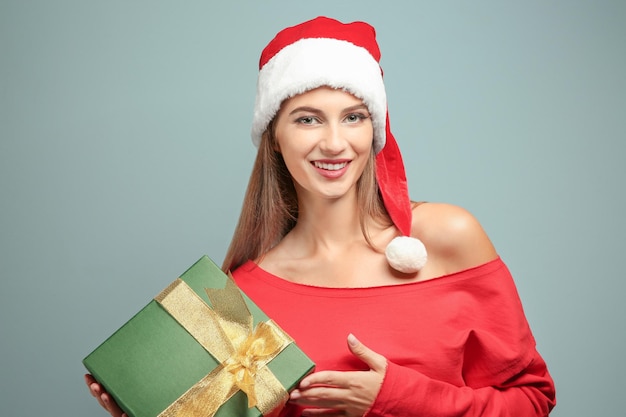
<point>105,400</point>
<point>336,393</point>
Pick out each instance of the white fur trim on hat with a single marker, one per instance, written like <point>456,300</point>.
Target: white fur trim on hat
<point>314,62</point>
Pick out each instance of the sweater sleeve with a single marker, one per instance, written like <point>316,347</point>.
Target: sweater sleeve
<point>406,392</point>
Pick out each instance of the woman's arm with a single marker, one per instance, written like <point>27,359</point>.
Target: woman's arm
<point>406,392</point>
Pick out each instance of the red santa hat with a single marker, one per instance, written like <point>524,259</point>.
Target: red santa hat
<point>326,52</point>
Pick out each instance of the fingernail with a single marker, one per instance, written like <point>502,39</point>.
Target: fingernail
<point>352,341</point>
<point>294,395</point>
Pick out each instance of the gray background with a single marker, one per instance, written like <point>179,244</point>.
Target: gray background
<point>125,151</point>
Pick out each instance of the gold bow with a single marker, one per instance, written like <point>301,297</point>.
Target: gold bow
<point>226,332</point>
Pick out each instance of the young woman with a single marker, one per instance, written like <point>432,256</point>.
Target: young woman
<point>405,308</point>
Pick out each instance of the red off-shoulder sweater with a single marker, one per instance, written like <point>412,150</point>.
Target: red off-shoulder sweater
<point>457,345</point>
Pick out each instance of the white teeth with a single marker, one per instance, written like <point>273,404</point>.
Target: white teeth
<point>329,167</point>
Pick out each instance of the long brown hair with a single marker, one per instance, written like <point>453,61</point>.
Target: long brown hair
<point>270,205</point>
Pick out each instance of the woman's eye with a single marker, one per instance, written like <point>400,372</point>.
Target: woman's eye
<point>307,120</point>
<point>355,117</point>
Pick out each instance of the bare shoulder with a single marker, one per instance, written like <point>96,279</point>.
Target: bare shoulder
<point>454,238</point>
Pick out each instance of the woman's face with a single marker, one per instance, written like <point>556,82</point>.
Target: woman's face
<point>325,137</point>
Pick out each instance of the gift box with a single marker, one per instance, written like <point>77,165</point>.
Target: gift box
<point>200,348</point>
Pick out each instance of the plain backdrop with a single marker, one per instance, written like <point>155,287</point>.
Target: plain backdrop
<point>125,152</point>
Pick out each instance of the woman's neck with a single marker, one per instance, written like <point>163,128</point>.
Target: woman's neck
<point>327,247</point>
<point>325,224</point>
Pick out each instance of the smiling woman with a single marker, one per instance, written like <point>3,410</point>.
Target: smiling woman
<point>446,334</point>
<point>325,138</point>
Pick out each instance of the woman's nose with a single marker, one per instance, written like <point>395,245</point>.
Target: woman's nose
<point>333,141</point>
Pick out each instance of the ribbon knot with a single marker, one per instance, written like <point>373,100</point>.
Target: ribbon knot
<point>226,332</point>
<point>253,353</point>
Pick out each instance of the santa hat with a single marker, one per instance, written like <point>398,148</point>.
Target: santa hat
<point>326,52</point>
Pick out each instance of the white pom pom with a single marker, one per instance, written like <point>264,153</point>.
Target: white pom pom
<point>406,254</point>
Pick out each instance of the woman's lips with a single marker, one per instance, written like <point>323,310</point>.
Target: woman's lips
<point>331,169</point>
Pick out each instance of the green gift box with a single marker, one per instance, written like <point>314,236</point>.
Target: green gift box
<point>200,348</point>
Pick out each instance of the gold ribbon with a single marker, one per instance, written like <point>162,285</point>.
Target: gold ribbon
<point>226,332</point>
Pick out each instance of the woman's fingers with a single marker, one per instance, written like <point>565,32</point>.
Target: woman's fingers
<point>375,361</point>
<point>323,412</point>
<point>348,393</point>
<point>95,389</point>
<point>104,399</point>
<point>112,406</point>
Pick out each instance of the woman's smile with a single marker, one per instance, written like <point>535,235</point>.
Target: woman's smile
<point>331,169</point>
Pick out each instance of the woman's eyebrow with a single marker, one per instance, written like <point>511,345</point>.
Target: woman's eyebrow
<point>318,111</point>
<point>305,109</point>
<point>357,107</point>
